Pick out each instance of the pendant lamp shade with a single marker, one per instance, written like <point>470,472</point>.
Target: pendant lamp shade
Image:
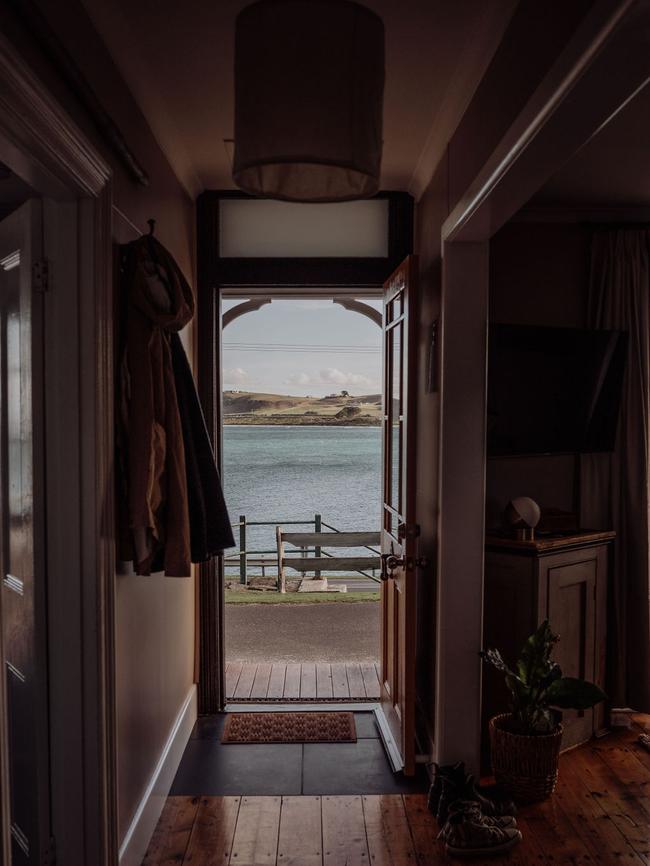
<point>309,85</point>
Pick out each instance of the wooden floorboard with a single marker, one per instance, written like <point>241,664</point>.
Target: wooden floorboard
<point>277,681</point>
<point>599,816</point>
<point>344,832</point>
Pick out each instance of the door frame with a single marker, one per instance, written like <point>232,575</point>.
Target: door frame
<point>576,98</point>
<point>247,277</point>
<point>42,144</point>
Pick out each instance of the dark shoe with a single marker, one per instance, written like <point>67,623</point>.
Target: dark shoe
<point>450,794</point>
<point>470,809</point>
<point>451,771</point>
<point>469,833</point>
<point>490,799</point>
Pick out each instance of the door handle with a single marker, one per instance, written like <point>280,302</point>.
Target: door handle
<point>390,562</point>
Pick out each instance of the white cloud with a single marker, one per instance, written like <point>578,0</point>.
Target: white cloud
<point>332,376</point>
<point>298,379</point>
<point>235,376</point>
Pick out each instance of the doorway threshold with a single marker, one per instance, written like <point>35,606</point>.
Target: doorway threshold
<point>385,733</point>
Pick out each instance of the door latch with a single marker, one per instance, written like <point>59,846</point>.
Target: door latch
<point>390,562</point>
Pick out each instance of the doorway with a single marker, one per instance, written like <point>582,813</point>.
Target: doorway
<point>237,238</point>
<point>302,475</point>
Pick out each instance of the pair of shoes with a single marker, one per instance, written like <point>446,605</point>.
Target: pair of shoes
<point>452,783</point>
<point>469,833</point>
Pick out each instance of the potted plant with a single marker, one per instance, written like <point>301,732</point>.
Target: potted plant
<point>525,742</point>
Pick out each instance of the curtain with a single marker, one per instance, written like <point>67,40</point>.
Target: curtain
<point>615,486</point>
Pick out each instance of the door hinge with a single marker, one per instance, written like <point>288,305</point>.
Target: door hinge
<point>50,853</point>
<point>408,530</point>
<point>41,275</point>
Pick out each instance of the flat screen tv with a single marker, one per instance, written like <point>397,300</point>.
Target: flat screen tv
<point>553,390</point>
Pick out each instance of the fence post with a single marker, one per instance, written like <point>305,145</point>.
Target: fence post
<point>243,576</point>
<point>318,527</point>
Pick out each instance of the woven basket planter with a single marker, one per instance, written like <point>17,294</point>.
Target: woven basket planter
<point>525,766</point>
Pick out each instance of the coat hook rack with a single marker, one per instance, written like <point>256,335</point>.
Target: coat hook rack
<point>152,226</point>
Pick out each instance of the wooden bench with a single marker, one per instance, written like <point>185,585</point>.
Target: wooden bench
<point>319,564</point>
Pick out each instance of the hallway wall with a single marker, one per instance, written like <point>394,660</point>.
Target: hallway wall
<point>154,615</point>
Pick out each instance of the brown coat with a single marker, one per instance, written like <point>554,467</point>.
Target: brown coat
<point>158,301</point>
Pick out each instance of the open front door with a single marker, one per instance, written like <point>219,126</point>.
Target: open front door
<point>399,532</point>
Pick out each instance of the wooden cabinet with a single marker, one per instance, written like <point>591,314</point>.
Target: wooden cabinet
<point>565,580</point>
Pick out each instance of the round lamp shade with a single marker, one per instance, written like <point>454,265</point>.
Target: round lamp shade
<point>309,84</point>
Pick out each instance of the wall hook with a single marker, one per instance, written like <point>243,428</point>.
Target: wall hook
<point>152,226</point>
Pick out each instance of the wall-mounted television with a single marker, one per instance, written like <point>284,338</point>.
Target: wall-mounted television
<point>553,390</point>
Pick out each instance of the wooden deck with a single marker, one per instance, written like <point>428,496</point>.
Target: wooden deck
<point>270,683</point>
<point>599,815</point>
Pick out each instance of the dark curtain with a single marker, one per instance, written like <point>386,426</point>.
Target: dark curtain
<point>615,486</point>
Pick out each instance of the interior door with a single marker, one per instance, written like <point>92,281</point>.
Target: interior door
<point>24,733</point>
<point>399,532</point>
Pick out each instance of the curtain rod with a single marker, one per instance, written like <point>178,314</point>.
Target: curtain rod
<point>40,28</point>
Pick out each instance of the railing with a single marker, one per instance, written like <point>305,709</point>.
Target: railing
<point>256,558</point>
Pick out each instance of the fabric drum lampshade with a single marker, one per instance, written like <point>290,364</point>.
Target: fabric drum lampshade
<point>309,84</point>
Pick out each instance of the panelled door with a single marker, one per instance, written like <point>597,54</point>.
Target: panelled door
<point>399,532</point>
<point>23,731</point>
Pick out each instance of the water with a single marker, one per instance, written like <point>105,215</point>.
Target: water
<point>292,473</point>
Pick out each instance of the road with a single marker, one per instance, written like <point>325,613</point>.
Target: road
<point>302,632</point>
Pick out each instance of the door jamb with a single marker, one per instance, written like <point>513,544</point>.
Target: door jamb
<point>42,144</point>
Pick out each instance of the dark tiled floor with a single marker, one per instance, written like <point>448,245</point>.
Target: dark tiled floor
<point>212,769</point>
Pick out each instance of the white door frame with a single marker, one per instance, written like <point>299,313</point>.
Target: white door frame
<point>602,67</point>
<point>41,143</point>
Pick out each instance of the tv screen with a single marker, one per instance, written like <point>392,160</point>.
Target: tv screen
<point>553,390</point>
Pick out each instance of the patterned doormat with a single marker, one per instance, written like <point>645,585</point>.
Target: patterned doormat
<point>289,728</point>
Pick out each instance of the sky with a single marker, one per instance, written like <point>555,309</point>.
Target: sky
<point>303,348</point>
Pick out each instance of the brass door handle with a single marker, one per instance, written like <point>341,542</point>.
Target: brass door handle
<point>390,562</point>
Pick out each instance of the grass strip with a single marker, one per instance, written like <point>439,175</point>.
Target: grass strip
<point>252,597</point>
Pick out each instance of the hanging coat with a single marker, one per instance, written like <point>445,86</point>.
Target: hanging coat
<point>210,528</point>
<point>158,302</point>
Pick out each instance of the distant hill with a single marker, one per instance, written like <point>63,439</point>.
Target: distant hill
<point>246,407</point>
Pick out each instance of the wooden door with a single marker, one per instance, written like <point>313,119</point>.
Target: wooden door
<point>399,532</point>
<point>572,615</point>
<point>24,684</point>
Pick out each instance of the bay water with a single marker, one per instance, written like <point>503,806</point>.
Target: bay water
<point>291,473</point>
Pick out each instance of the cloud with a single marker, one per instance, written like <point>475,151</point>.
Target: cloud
<point>298,379</point>
<point>235,376</point>
<point>332,376</point>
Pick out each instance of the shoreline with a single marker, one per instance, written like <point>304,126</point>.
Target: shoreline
<point>344,426</point>
<point>285,421</point>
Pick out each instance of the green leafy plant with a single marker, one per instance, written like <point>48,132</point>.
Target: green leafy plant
<point>538,689</point>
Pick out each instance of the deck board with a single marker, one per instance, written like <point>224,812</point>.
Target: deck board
<point>600,814</point>
<point>308,681</point>
<point>268,683</point>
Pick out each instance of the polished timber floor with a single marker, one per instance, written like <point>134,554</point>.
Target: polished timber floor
<point>288,769</point>
<point>598,816</point>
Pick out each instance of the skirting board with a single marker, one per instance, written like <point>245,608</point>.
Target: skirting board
<point>138,836</point>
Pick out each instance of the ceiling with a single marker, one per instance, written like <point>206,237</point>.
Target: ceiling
<point>177,59</point>
<point>613,168</point>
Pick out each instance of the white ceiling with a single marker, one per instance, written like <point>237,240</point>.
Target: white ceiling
<point>177,58</point>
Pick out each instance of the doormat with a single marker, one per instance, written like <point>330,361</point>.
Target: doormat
<point>289,728</point>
